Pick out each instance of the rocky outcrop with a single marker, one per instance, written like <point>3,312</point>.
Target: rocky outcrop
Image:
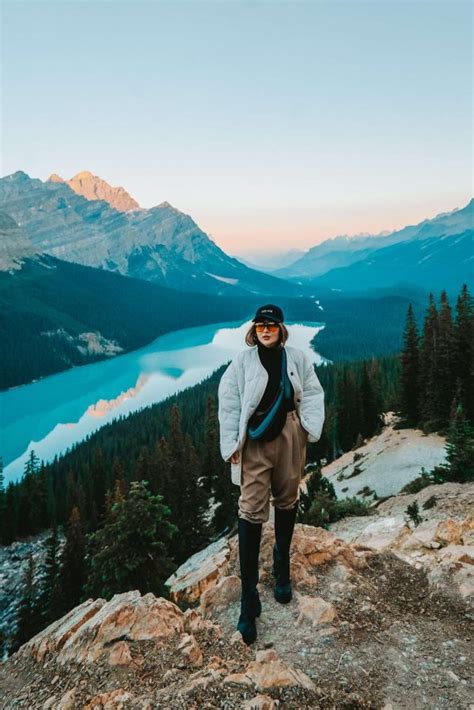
<point>375,623</point>
<point>212,574</point>
<point>200,572</point>
<point>93,187</point>
<point>97,627</point>
<point>131,632</point>
<point>269,671</point>
<point>14,244</point>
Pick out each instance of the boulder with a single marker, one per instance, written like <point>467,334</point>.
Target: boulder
<point>315,610</point>
<point>269,671</point>
<point>437,547</point>
<point>311,547</point>
<point>382,534</point>
<point>453,531</point>
<point>127,616</point>
<point>120,654</point>
<point>190,650</point>
<point>221,595</point>
<point>54,636</point>
<point>194,622</point>
<point>199,573</point>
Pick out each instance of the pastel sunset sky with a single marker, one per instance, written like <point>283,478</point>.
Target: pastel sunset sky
<point>273,124</point>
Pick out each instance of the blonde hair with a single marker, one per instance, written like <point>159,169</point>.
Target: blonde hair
<point>251,336</point>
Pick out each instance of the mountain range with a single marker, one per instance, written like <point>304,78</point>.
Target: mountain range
<point>436,253</point>
<point>160,244</point>
<point>86,221</point>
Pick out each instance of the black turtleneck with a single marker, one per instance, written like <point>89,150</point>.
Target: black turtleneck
<point>271,360</point>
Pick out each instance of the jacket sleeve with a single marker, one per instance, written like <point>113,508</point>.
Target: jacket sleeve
<point>229,408</point>
<point>312,404</point>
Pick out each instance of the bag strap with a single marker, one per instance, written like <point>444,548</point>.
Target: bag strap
<point>284,390</point>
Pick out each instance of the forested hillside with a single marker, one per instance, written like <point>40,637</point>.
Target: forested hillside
<point>55,314</point>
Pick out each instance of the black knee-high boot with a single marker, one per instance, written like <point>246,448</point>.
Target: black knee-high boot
<point>249,549</point>
<point>284,526</point>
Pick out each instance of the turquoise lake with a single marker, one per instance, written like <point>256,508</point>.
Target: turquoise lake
<point>52,414</point>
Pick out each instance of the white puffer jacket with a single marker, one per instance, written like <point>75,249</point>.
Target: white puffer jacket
<point>241,388</point>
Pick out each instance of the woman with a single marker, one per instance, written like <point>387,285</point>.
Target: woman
<point>270,404</point>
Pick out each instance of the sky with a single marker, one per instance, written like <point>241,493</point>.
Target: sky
<point>274,124</point>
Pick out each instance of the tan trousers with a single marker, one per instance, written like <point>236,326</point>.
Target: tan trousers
<point>276,465</point>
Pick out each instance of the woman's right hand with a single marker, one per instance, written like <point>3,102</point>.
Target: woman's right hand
<point>235,458</point>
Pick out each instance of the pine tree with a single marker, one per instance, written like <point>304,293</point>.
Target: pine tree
<point>459,448</point>
<point>371,420</point>
<point>226,495</point>
<point>428,367</point>
<point>445,375</point>
<point>141,469</point>
<point>191,516</point>
<point>12,514</point>
<point>464,351</point>
<point>3,530</point>
<point>116,495</point>
<point>48,596</point>
<point>409,381</point>
<point>97,487</point>
<point>3,645</point>
<point>211,461</point>
<point>413,513</point>
<point>131,550</point>
<point>72,571</point>
<point>187,499</point>
<point>28,621</point>
<point>215,477</point>
<point>29,513</point>
<point>348,409</point>
<point>161,471</point>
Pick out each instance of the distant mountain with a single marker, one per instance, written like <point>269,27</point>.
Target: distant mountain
<point>270,262</point>
<point>14,245</point>
<point>160,244</point>
<point>93,187</point>
<point>433,263</point>
<point>343,251</point>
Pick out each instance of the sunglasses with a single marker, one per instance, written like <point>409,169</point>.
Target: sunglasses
<point>271,327</point>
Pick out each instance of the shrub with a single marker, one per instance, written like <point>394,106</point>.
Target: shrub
<point>413,513</point>
<point>417,485</point>
<point>430,503</point>
<point>319,505</point>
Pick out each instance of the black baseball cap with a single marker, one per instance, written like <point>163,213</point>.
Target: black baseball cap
<point>269,312</point>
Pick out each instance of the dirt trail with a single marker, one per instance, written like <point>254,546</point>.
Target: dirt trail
<point>395,638</point>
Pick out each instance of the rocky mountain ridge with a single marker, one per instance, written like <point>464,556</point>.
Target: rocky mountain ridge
<point>160,244</point>
<point>92,187</point>
<point>14,245</point>
<point>416,254</point>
